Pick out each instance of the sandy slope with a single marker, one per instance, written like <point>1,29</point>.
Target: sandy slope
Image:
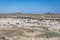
<point>32,24</point>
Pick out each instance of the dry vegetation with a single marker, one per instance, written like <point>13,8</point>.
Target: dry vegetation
<point>27,28</point>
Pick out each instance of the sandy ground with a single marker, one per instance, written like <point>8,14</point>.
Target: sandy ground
<point>33,38</point>
<point>8,23</point>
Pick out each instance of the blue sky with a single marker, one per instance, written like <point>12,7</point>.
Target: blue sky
<point>30,6</point>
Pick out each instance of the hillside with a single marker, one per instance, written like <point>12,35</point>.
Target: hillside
<point>25,28</point>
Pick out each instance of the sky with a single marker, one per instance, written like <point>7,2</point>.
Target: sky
<point>30,6</point>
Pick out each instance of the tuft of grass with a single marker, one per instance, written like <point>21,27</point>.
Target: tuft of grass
<point>48,34</point>
<point>20,33</point>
